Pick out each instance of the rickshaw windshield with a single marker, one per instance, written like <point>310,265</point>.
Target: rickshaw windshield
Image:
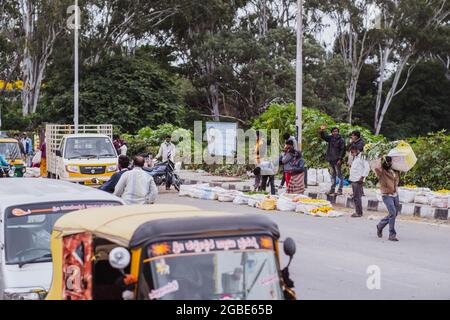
<point>10,150</point>
<point>28,228</point>
<point>249,274</point>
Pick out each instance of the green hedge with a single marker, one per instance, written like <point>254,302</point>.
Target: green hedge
<point>433,151</point>
<point>433,161</point>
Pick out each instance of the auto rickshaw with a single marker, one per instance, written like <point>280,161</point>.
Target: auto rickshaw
<point>9,148</point>
<point>167,252</point>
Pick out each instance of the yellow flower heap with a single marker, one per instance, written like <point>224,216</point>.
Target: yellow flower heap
<point>324,210</point>
<point>310,200</point>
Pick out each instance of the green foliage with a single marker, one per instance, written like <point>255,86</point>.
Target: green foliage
<point>128,92</point>
<point>282,117</point>
<point>432,169</point>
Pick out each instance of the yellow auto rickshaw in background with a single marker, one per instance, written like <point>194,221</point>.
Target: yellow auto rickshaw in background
<point>168,252</point>
<point>9,148</point>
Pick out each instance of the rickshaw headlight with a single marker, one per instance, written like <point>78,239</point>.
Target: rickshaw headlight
<point>20,294</point>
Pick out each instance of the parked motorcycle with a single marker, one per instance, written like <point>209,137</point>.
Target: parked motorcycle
<point>164,174</point>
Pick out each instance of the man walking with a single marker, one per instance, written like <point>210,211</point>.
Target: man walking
<point>358,173</point>
<point>389,181</point>
<point>110,185</point>
<point>335,155</point>
<point>136,186</point>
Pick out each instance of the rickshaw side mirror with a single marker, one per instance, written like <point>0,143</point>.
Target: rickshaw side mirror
<point>119,258</point>
<point>289,247</point>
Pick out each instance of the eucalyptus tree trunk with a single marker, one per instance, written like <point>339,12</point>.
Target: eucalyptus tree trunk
<point>38,47</point>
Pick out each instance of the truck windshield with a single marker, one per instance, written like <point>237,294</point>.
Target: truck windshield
<point>89,147</point>
<point>28,228</point>
<point>213,275</point>
<point>10,150</point>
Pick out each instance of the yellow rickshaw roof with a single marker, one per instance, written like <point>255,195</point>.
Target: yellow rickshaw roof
<point>8,140</point>
<point>130,226</point>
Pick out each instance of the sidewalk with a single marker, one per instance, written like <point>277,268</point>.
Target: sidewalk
<point>370,201</point>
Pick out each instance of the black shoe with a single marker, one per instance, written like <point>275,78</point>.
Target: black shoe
<point>379,232</point>
<point>393,238</point>
<point>355,215</point>
<point>339,193</point>
<point>331,193</point>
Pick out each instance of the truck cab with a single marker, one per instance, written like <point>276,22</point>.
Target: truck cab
<point>84,155</point>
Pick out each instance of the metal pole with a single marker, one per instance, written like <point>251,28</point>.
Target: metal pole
<point>299,74</point>
<point>75,94</point>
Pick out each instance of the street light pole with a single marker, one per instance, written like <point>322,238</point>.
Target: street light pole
<point>299,74</point>
<point>75,89</point>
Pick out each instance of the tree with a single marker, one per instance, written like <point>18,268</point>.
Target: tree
<point>36,26</point>
<point>423,106</point>
<point>354,41</point>
<point>128,92</point>
<point>405,25</point>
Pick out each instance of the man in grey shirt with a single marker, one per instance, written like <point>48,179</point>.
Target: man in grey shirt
<point>137,186</point>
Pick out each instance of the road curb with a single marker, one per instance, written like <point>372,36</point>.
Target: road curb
<point>369,203</point>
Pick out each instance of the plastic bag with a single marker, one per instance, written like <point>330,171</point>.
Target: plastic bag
<point>228,196</point>
<point>326,176</point>
<point>268,204</point>
<point>406,195</point>
<point>422,197</point>
<point>255,200</point>
<point>312,177</point>
<point>37,157</point>
<point>305,207</point>
<point>319,176</point>
<point>403,157</point>
<point>439,201</point>
<point>186,190</point>
<point>241,199</point>
<point>324,187</point>
<point>285,204</point>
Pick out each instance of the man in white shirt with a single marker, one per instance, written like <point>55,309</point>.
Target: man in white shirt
<point>167,150</point>
<point>358,173</point>
<point>137,186</point>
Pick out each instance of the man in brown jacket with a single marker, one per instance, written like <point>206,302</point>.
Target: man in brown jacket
<point>389,180</point>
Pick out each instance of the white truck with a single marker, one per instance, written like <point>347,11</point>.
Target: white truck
<point>87,157</point>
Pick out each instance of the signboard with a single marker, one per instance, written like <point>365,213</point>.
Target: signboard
<point>221,137</point>
<point>211,245</point>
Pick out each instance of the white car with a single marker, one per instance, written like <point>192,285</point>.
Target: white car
<point>28,211</point>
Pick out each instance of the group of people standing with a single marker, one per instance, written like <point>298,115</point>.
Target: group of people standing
<point>290,162</point>
<point>388,178</point>
<point>293,170</point>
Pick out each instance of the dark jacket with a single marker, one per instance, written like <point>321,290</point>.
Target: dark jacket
<point>110,185</point>
<point>358,143</point>
<point>336,147</point>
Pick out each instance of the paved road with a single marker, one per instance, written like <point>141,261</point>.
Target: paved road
<point>333,255</point>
